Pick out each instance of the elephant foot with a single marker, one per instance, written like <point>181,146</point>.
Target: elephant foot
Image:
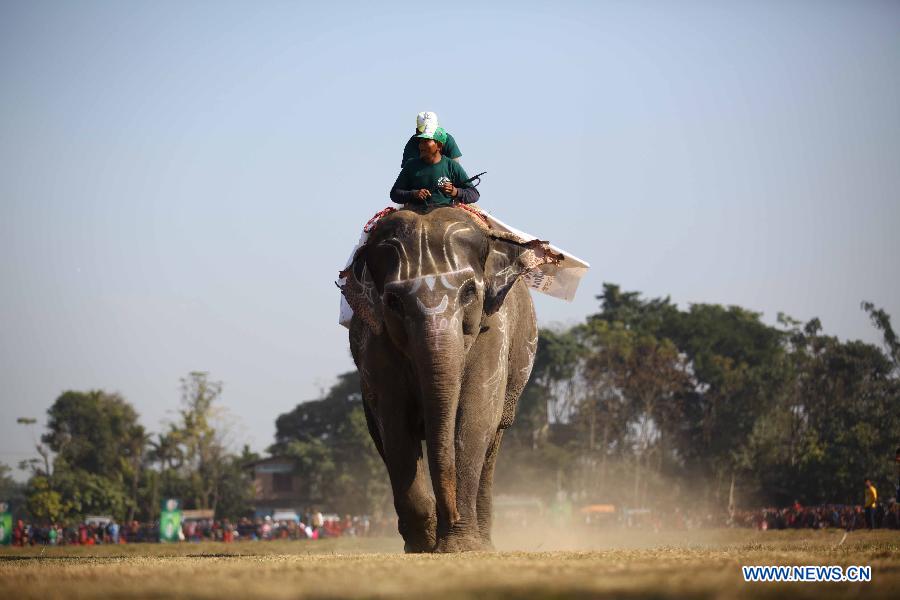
<point>463,543</point>
<point>418,548</point>
<point>420,538</point>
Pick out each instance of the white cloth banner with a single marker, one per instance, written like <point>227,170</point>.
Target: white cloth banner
<point>559,281</point>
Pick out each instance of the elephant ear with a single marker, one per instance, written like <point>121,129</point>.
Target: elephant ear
<point>507,260</point>
<point>362,295</point>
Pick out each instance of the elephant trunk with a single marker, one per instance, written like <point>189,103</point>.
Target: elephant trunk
<point>440,376</point>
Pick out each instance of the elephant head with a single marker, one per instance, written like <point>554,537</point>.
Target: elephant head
<point>430,277</point>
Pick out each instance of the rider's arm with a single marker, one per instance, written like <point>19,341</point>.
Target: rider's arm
<point>467,195</point>
<point>404,196</point>
<point>400,192</point>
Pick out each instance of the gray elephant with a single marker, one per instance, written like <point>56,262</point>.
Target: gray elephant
<point>444,336</point>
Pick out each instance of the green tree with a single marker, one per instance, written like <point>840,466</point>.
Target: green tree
<point>202,447</point>
<point>882,322</point>
<point>192,456</point>
<point>333,451</point>
<point>97,443</point>
<point>91,431</point>
<point>838,424</point>
<point>165,454</point>
<point>730,405</point>
<point>44,503</point>
<point>736,364</point>
<point>638,382</point>
<point>236,491</point>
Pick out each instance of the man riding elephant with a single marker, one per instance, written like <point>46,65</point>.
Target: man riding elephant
<point>432,178</point>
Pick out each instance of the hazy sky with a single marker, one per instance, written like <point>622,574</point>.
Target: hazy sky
<point>181,181</point>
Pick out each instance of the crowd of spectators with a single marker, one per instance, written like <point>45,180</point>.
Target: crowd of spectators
<point>222,530</point>
<point>823,516</point>
<point>796,516</point>
<point>839,516</point>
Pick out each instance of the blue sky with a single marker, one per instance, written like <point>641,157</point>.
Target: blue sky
<point>181,181</point>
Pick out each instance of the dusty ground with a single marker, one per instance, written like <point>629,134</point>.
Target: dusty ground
<point>608,564</point>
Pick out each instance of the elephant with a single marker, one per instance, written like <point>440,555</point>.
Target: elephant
<point>444,336</point>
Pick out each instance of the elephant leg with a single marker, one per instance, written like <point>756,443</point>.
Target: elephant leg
<point>390,416</point>
<point>485,490</point>
<point>401,450</point>
<point>477,422</point>
<point>413,500</point>
<point>372,425</point>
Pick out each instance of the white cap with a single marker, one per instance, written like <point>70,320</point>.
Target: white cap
<point>426,120</point>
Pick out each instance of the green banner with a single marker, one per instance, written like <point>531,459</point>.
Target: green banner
<point>170,521</point>
<point>5,525</point>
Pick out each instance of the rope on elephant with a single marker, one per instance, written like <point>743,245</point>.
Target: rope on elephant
<point>370,225</point>
<point>476,212</point>
<point>373,222</point>
<point>483,221</point>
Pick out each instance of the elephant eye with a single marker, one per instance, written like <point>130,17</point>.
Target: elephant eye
<point>468,293</point>
<point>394,302</point>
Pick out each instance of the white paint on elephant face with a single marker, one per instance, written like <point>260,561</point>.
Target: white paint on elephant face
<point>421,246</point>
<point>367,284</point>
<point>439,325</point>
<point>427,261</point>
<point>413,284</point>
<point>440,309</point>
<point>439,316</point>
<point>424,247</point>
<point>448,236</point>
<point>440,330</point>
<point>402,256</point>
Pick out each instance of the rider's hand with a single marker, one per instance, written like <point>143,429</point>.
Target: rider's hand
<point>422,194</point>
<point>449,189</point>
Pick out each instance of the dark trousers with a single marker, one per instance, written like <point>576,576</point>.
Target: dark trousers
<point>870,518</point>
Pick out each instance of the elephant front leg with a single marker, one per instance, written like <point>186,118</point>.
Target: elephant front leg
<point>413,500</point>
<point>476,441</point>
<point>390,415</point>
<point>416,519</point>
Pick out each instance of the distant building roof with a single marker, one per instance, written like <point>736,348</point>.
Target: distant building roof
<point>271,460</point>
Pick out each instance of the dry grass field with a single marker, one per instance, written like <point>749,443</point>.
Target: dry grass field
<point>610,564</point>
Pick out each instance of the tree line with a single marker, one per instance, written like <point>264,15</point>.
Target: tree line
<point>643,404</point>
<point>97,459</point>
<point>646,404</point>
